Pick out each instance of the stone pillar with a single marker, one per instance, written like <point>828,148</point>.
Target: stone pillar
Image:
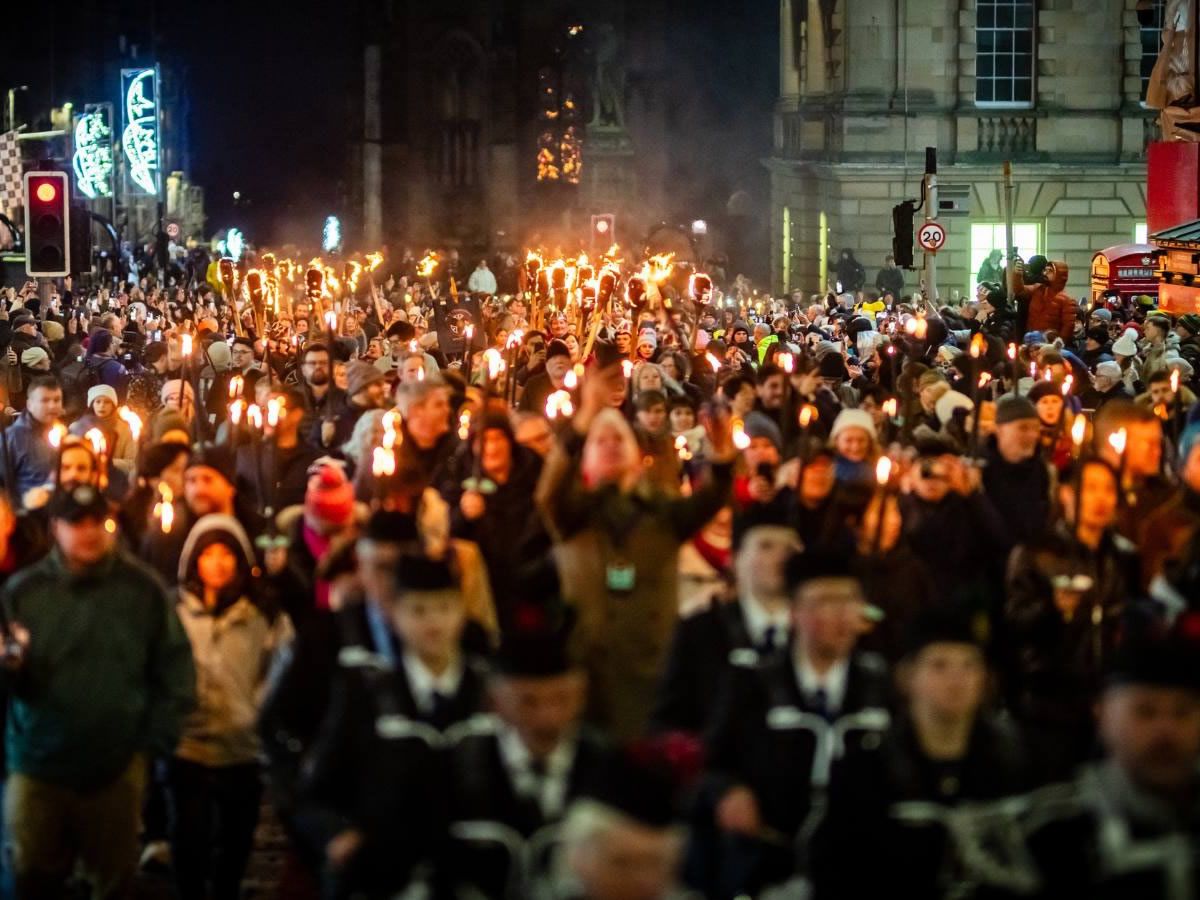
<point>814,49</point>
<point>870,47</point>
<point>789,75</point>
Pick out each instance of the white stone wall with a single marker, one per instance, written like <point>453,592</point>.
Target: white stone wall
<point>849,150</point>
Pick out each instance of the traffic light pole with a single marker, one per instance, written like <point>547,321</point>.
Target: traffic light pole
<point>929,271</point>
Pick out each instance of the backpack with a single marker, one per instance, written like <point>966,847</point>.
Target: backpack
<point>78,377</point>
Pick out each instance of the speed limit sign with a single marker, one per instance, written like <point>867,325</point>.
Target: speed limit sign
<point>931,237</point>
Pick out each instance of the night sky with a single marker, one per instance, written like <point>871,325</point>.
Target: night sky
<point>270,86</point>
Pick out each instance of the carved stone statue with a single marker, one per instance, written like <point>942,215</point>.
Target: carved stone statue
<point>1172,86</point>
<point>608,86</point>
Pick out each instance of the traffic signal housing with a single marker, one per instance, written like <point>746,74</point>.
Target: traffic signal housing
<point>902,233</point>
<point>47,224</point>
<point>603,229</point>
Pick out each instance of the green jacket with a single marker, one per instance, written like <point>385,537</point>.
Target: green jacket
<point>108,672</point>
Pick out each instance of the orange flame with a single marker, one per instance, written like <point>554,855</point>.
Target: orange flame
<point>164,510</point>
<point>1078,430</point>
<point>427,265</point>
<point>133,421</point>
<point>737,428</point>
<point>883,471</point>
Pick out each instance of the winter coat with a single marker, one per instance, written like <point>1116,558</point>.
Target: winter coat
<point>605,539</point>
<point>896,808</point>
<point>900,585</point>
<point>108,673</point>
<point>506,535</point>
<point>767,736</point>
<point>1057,664</point>
<point>959,540</point>
<point>233,648</point>
<point>1049,308</point>
<point>1154,356</point>
<point>30,455</point>
<point>1021,494</point>
<point>118,438</point>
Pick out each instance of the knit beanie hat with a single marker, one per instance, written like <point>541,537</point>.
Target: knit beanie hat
<point>100,390</point>
<point>1124,346</point>
<point>949,402</point>
<point>33,356</point>
<point>758,424</point>
<point>1013,409</point>
<point>361,375</point>
<point>1190,322</point>
<point>157,457</point>
<point>647,337</point>
<point>217,457</point>
<point>852,418</point>
<point>329,498</point>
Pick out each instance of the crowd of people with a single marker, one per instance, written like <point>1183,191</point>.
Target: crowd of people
<point>624,589</point>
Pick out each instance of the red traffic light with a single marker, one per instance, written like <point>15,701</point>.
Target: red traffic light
<point>47,197</point>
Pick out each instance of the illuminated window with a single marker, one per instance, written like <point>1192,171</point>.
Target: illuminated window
<point>823,250</point>
<point>1004,57</point>
<point>1140,233</point>
<point>1150,22</point>
<point>787,249</point>
<point>989,236</point>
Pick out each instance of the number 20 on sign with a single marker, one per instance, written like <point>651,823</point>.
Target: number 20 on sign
<point>931,237</point>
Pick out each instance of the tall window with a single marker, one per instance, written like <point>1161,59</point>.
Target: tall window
<point>1141,234</point>
<point>989,236</point>
<point>458,100</point>
<point>1150,23</point>
<point>1004,57</point>
<point>787,249</point>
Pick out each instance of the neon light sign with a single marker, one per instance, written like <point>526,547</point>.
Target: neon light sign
<point>93,159</point>
<point>331,234</point>
<point>140,139</point>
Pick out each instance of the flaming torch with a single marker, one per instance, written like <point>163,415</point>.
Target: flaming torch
<point>133,421</point>
<point>255,285</point>
<point>227,275</point>
<point>494,362</point>
<point>95,437</point>
<point>164,509</point>
<point>426,267</point>
<point>1118,441</point>
<point>1177,404</point>
<point>54,437</point>
<point>559,404</point>
<point>741,440</point>
<point>635,292</point>
<point>883,481</point>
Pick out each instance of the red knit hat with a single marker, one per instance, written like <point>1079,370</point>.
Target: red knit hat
<point>329,498</point>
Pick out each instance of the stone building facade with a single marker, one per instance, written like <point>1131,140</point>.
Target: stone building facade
<point>867,85</point>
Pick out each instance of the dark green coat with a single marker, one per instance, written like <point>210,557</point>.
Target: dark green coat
<point>108,672</point>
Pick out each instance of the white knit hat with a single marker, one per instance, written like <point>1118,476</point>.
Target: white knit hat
<point>852,418</point>
<point>949,402</point>
<point>100,390</point>
<point>1124,346</point>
